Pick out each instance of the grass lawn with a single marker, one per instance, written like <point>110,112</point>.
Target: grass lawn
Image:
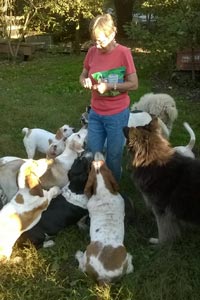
<point>45,93</point>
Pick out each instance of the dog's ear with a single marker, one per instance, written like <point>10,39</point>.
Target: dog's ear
<point>50,141</point>
<point>110,181</point>
<point>153,125</point>
<point>37,191</point>
<point>126,131</point>
<point>76,147</point>
<point>90,187</point>
<point>59,134</point>
<point>32,181</point>
<point>24,171</point>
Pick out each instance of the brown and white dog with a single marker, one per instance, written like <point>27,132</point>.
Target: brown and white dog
<point>57,173</point>
<point>105,258</point>
<point>37,139</point>
<point>169,181</point>
<point>25,208</point>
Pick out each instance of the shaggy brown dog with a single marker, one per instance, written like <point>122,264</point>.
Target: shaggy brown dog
<point>168,181</point>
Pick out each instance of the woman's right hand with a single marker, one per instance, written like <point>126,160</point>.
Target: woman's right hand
<point>86,83</point>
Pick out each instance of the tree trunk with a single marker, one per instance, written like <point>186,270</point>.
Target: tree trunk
<point>124,10</point>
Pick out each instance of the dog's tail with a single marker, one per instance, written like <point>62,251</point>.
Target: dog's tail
<point>192,135</point>
<point>25,131</point>
<point>172,112</point>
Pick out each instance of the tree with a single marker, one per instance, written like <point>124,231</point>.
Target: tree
<point>124,14</point>
<point>175,25</point>
<point>74,11</point>
<point>16,14</point>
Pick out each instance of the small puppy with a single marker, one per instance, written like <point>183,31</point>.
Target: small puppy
<point>159,104</point>
<point>187,150</point>
<point>168,181</point>
<point>39,139</point>
<point>105,258</point>
<point>25,208</point>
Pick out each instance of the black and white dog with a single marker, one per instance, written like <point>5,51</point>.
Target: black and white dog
<point>66,209</point>
<point>168,181</point>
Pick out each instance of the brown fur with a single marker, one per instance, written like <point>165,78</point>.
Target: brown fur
<point>59,134</point>
<point>154,149</point>
<point>28,217</point>
<point>32,181</point>
<point>91,185</point>
<point>94,248</point>
<point>110,182</point>
<point>112,258</point>
<point>19,199</point>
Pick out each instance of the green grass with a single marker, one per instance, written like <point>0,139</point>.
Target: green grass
<point>45,93</point>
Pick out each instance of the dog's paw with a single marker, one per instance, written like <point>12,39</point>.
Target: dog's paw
<point>55,191</point>
<point>83,223</point>
<point>48,244</point>
<point>154,241</point>
<point>79,255</point>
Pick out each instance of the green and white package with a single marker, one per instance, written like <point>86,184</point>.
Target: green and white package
<point>111,76</point>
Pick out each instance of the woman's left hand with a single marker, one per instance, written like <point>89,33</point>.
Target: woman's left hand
<point>101,87</point>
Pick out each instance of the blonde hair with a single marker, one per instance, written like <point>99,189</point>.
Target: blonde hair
<point>104,23</point>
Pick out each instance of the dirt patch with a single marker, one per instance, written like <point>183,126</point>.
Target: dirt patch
<point>181,86</point>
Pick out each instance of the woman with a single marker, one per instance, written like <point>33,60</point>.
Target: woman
<point>109,72</point>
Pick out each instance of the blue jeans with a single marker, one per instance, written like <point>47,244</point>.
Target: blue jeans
<point>108,129</point>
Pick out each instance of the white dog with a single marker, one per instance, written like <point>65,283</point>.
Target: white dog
<point>39,139</point>
<point>25,208</point>
<point>187,150</point>
<point>161,105</point>
<point>105,258</point>
<point>55,175</point>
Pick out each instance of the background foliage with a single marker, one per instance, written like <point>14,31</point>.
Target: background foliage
<point>45,92</point>
<point>160,28</point>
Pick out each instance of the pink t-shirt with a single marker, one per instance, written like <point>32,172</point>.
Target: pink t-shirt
<point>101,65</point>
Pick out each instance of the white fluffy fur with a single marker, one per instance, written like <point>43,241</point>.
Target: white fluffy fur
<point>19,214</point>
<point>37,139</point>
<point>161,105</point>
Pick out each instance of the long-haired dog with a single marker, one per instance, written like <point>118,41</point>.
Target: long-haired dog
<point>168,181</point>
<point>105,258</point>
<point>159,104</point>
